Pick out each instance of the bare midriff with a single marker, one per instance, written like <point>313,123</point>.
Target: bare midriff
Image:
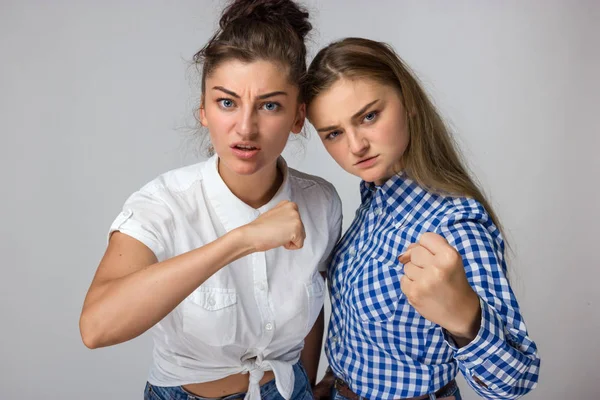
<point>232,384</point>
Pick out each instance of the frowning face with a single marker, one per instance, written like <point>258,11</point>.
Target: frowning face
<point>363,125</point>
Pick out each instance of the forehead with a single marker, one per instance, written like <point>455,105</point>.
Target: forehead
<point>257,76</point>
<point>345,97</point>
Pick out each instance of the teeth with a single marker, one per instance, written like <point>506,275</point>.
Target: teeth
<point>246,147</point>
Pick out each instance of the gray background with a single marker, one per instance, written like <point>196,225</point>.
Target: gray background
<point>95,98</point>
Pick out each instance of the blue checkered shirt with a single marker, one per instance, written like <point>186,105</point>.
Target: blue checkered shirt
<point>379,344</point>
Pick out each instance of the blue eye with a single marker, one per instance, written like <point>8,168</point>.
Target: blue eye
<point>332,135</point>
<point>270,106</point>
<point>226,103</point>
<point>370,116</point>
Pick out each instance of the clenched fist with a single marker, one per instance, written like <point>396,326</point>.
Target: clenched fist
<point>436,285</point>
<point>280,226</point>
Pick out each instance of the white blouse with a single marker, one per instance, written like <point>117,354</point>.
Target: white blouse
<point>252,315</point>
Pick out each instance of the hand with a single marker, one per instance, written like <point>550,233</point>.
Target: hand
<point>322,391</point>
<point>436,285</point>
<point>280,226</point>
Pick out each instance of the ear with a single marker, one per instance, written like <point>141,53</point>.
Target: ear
<point>300,118</point>
<point>202,114</point>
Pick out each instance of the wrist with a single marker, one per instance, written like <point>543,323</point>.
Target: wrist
<point>468,326</point>
<point>242,240</point>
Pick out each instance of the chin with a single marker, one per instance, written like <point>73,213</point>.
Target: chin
<point>246,168</point>
<point>369,176</point>
<point>241,167</point>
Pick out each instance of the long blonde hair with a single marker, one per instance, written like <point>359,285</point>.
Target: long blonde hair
<point>432,158</point>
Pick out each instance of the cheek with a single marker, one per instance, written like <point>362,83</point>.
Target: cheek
<point>276,127</point>
<point>219,122</point>
<point>395,136</point>
<point>336,151</point>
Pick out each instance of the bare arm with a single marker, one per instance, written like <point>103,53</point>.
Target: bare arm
<point>312,348</point>
<point>131,291</point>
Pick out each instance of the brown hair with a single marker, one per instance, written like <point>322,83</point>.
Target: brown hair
<point>251,30</point>
<point>432,158</point>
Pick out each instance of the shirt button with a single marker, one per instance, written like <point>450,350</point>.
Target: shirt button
<point>269,326</point>
<point>334,339</point>
<point>352,252</point>
<point>211,302</point>
<point>262,286</point>
<point>461,358</point>
<point>378,211</point>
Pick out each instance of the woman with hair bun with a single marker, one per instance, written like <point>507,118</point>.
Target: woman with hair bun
<point>222,260</point>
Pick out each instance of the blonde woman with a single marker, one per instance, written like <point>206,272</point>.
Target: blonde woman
<point>418,283</point>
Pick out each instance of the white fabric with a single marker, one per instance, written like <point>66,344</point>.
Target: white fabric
<point>253,315</point>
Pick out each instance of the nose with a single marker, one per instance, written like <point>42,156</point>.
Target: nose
<point>357,144</point>
<point>246,125</point>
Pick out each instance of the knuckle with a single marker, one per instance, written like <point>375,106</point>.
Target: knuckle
<point>438,275</point>
<point>450,256</point>
<point>416,255</point>
<point>427,235</point>
<point>428,285</point>
<point>412,300</point>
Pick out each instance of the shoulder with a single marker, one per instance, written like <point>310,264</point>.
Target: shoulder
<point>173,183</point>
<point>458,208</point>
<point>313,187</point>
<point>465,220</point>
<point>459,212</point>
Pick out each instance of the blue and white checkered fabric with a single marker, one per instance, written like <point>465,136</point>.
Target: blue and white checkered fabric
<point>379,344</point>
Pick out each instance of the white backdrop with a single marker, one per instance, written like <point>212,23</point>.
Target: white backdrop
<point>95,98</point>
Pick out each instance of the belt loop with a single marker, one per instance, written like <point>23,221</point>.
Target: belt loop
<point>432,396</point>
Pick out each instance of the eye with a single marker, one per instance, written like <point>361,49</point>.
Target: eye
<point>270,106</point>
<point>226,103</point>
<point>332,135</point>
<point>370,117</point>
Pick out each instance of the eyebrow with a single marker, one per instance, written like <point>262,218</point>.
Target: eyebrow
<point>261,97</point>
<point>356,115</point>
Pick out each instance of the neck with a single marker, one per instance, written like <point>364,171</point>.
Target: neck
<point>257,189</point>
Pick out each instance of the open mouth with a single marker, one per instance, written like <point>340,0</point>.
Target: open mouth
<point>245,148</point>
<point>245,151</point>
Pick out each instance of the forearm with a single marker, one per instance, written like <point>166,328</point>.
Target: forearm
<point>471,322</point>
<point>312,348</point>
<point>498,366</point>
<point>121,309</point>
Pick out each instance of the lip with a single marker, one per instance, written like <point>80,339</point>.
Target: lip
<point>367,162</point>
<point>244,154</point>
<point>246,144</point>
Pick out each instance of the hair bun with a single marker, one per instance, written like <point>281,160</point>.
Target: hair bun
<point>268,11</point>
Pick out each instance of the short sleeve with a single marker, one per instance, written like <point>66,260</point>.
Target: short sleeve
<point>147,218</point>
<point>334,221</point>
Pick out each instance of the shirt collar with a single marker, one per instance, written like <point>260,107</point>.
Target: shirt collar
<point>399,193</point>
<point>232,211</point>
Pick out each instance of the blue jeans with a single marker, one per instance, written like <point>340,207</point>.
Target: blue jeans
<point>268,391</point>
<point>453,391</point>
